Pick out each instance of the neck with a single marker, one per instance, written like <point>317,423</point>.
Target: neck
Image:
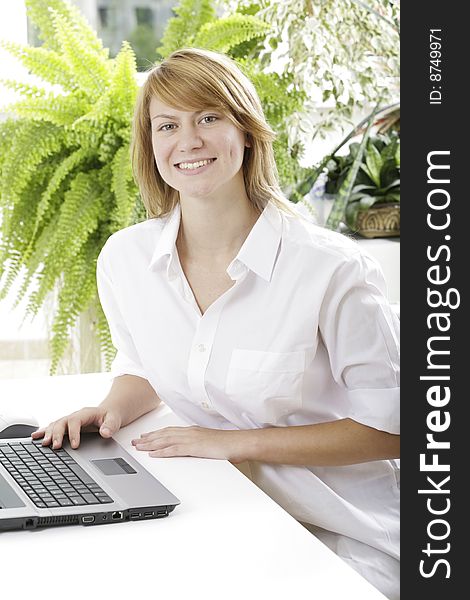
<point>214,230</point>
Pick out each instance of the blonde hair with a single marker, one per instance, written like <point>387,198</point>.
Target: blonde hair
<point>193,79</point>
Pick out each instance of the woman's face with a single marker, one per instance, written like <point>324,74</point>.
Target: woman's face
<point>198,153</point>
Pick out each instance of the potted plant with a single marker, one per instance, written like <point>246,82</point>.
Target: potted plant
<point>373,206</point>
<point>341,173</point>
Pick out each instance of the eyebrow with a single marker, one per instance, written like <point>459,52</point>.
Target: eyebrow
<point>163,117</point>
<point>175,117</point>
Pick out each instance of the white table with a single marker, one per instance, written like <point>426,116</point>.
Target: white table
<point>226,540</point>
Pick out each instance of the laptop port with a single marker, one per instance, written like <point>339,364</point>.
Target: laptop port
<point>117,516</point>
<point>88,519</point>
<point>135,515</point>
<point>149,513</point>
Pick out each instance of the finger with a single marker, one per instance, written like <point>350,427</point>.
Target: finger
<point>57,434</point>
<point>154,444</point>
<point>169,452</point>
<point>110,425</point>
<point>39,433</point>
<point>156,433</point>
<point>155,438</point>
<point>46,435</point>
<point>74,425</point>
<point>165,431</point>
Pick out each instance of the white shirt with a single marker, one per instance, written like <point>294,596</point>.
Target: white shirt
<point>305,335</point>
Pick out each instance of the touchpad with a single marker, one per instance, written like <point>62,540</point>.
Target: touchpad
<point>114,466</point>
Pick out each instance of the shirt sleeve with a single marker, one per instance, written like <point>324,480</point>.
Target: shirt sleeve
<point>361,334</point>
<point>127,361</point>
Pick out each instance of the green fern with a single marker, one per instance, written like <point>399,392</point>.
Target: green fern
<point>124,188</point>
<point>65,174</point>
<point>46,63</point>
<point>180,31</point>
<point>70,301</point>
<point>226,33</point>
<point>40,11</point>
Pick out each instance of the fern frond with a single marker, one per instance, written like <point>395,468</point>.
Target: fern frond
<point>106,343</point>
<point>77,290</point>
<point>42,12</point>
<point>23,89</point>
<point>62,171</point>
<point>224,34</point>
<point>123,187</point>
<point>91,69</point>
<point>118,103</point>
<point>48,65</point>
<point>59,110</point>
<point>17,227</point>
<point>181,30</point>
<point>10,270</point>
<point>269,86</point>
<point>33,144</point>
<point>123,85</point>
<point>79,218</point>
<point>36,257</point>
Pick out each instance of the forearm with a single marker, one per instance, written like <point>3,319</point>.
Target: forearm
<point>337,443</point>
<point>132,396</point>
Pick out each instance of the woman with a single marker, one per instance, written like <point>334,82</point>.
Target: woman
<point>270,335</point>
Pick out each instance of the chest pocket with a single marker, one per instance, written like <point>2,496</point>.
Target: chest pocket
<point>266,385</point>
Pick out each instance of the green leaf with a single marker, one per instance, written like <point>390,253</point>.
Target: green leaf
<point>91,69</point>
<point>393,197</point>
<point>389,173</point>
<point>341,202</point>
<point>42,14</point>
<point>373,163</point>
<point>123,187</point>
<point>366,202</point>
<point>181,30</point>
<point>226,33</point>
<point>50,66</point>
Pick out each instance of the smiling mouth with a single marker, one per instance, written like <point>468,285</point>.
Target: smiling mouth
<point>192,166</point>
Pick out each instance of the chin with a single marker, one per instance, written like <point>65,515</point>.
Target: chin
<point>197,192</point>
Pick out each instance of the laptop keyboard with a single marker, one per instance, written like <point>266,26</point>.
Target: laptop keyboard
<point>51,478</point>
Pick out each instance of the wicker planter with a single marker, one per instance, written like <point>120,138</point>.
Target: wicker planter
<point>381,220</point>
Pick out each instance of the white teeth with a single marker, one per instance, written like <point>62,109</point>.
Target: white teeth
<point>194,165</point>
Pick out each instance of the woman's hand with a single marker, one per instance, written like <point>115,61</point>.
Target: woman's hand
<point>192,441</point>
<point>107,421</point>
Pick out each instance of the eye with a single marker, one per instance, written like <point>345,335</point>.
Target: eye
<point>209,119</point>
<point>166,127</point>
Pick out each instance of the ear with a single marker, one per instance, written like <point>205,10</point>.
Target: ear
<point>247,141</point>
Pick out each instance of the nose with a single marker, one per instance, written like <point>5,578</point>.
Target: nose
<point>190,139</point>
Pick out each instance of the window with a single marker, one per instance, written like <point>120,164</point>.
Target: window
<point>104,17</point>
<point>144,16</point>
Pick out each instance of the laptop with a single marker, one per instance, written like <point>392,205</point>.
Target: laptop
<point>97,483</point>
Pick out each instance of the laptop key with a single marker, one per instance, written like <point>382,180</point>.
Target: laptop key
<point>79,472</point>
<point>77,500</point>
<point>65,502</point>
<point>104,498</point>
<point>90,498</point>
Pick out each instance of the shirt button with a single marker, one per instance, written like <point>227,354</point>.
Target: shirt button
<point>201,348</point>
<point>204,405</point>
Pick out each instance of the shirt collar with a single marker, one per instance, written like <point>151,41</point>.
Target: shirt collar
<point>260,249</point>
<point>166,245</point>
<point>258,252</point>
